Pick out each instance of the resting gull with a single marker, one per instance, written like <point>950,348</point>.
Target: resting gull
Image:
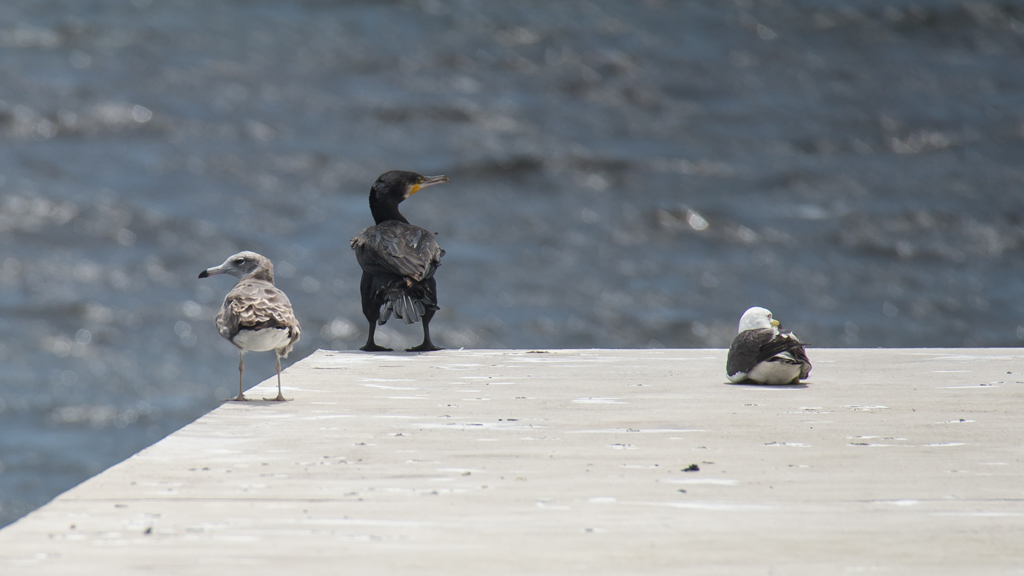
<point>256,316</point>
<point>763,354</point>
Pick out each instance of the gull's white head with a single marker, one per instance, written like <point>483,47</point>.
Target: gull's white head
<point>242,265</point>
<point>757,317</point>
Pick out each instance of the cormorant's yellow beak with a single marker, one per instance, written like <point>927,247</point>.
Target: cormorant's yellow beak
<point>775,323</point>
<point>426,181</point>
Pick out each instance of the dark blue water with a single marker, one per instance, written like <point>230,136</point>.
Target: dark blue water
<point>624,174</point>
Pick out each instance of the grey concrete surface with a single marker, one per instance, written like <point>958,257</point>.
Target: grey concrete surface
<point>898,461</point>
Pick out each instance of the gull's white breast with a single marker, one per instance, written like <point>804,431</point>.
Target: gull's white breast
<point>774,372</point>
<point>261,340</point>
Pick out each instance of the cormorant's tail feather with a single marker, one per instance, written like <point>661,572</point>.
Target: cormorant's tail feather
<point>405,302</point>
<point>402,307</point>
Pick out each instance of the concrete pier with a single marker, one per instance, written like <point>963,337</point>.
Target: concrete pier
<point>899,461</point>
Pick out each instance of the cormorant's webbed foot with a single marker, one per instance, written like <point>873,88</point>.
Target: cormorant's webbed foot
<point>375,348</point>
<point>425,347</point>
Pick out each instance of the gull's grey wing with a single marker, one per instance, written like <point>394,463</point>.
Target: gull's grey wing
<point>744,353</point>
<point>786,342</point>
<point>783,342</point>
<point>796,350</point>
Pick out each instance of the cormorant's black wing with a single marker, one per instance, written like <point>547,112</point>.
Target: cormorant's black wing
<point>398,248</point>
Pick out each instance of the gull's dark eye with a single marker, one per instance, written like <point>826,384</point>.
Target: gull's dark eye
<point>239,261</point>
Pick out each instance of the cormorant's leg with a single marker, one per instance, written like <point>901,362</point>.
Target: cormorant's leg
<point>427,345</point>
<point>280,397</point>
<point>370,346</point>
<point>371,310</point>
<point>241,368</point>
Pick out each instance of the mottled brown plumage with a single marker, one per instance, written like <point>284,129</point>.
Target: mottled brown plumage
<point>255,305</point>
<point>256,315</point>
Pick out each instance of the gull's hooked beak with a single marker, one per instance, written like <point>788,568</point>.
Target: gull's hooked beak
<point>428,181</point>
<point>775,323</point>
<point>212,271</point>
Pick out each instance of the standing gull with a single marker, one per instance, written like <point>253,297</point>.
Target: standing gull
<point>256,316</point>
<point>398,259</point>
<point>763,354</point>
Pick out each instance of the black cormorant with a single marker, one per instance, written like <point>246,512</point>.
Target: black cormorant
<point>398,259</point>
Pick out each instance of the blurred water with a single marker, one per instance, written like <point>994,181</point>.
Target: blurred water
<point>624,174</point>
